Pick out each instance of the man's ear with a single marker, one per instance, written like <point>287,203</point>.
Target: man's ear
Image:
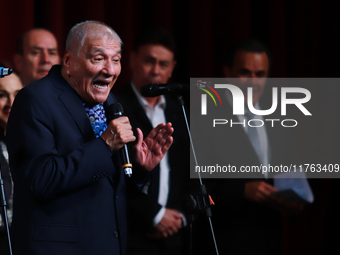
<point>174,63</point>
<point>226,71</point>
<point>18,62</point>
<point>67,58</point>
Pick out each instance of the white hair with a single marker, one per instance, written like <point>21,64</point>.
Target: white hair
<point>90,28</point>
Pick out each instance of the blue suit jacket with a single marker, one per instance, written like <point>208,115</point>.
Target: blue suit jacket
<point>69,195</point>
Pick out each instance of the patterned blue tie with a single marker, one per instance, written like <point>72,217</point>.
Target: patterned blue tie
<point>96,115</point>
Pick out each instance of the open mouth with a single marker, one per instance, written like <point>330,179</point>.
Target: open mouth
<point>101,84</point>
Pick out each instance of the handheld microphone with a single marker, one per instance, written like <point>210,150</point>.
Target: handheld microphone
<point>5,71</point>
<point>115,111</point>
<point>154,90</point>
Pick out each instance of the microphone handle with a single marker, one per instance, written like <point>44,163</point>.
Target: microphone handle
<point>127,166</point>
<point>116,111</point>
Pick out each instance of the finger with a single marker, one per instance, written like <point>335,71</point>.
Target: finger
<point>259,197</point>
<point>179,223</point>
<point>268,187</point>
<point>160,135</point>
<point>169,129</point>
<point>127,136</point>
<point>154,132</point>
<point>174,213</point>
<point>167,145</point>
<point>168,132</point>
<point>120,120</point>
<point>163,135</point>
<point>139,138</point>
<point>174,230</point>
<point>171,230</point>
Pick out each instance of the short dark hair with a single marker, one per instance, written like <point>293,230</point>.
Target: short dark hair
<point>155,35</point>
<point>19,44</point>
<point>247,45</point>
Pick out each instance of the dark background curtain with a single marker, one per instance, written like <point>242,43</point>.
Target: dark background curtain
<point>302,35</point>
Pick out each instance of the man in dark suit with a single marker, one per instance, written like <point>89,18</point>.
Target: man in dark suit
<point>155,223</point>
<point>69,193</point>
<point>247,215</point>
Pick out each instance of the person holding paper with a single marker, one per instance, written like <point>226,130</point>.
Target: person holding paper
<point>247,215</point>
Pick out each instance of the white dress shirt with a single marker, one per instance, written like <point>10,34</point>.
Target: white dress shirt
<point>156,116</point>
<point>262,146</point>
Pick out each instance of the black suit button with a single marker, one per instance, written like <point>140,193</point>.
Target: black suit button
<point>115,234</point>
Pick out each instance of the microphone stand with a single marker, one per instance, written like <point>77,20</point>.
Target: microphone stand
<point>4,212</point>
<point>201,200</point>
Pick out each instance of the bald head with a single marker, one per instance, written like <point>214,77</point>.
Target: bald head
<point>36,53</point>
<point>91,29</point>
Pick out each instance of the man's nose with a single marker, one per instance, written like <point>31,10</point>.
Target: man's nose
<point>45,57</point>
<point>155,69</point>
<point>253,79</point>
<point>109,68</point>
<point>10,100</point>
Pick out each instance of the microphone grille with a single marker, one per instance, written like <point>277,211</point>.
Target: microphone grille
<point>115,111</point>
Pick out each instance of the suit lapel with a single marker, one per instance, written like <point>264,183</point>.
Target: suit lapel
<point>75,107</point>
<point>72,102</point>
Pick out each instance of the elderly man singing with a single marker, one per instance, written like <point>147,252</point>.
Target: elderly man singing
<point>69,193</point>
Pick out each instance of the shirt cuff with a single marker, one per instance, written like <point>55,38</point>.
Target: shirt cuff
<point>159,216</point>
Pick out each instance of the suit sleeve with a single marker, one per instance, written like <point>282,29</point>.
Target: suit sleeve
<point>43,156</point>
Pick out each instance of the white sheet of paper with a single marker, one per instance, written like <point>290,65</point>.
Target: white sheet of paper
<point>293,186</point>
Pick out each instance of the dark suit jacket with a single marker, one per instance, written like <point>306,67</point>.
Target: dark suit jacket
<point>69,195</point>
<point>242,226</point>
<point>142,211</point>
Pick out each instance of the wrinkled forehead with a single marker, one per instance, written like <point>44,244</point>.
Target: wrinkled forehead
<point>100,44</point>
